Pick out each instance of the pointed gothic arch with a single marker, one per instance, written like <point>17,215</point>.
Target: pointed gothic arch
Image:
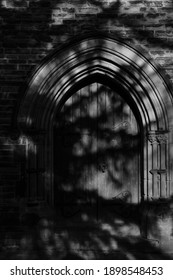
<point>114,63</point>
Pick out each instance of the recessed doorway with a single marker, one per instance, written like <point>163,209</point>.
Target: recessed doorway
<point>96,162</point>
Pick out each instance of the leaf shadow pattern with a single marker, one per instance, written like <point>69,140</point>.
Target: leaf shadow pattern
<point>97,214</point>
<point>118,235</point>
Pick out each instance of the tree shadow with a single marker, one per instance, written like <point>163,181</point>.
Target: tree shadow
<point>97,213</point>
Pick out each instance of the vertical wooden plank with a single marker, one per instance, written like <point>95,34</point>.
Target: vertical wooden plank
<point>92,164</point>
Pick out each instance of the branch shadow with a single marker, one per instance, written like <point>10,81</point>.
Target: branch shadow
<point>87,223</point>
<point>97,212</point>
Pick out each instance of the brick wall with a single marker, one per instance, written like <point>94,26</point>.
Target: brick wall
<point>31,29</point>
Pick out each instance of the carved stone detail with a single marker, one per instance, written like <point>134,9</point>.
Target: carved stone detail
<point>156,137</point>
<point>162,138</point>
<point>152,138</point>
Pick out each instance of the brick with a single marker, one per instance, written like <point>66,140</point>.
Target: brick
<point>16,4</point>
<point>39,4</point>
<point>160,33</point>
<point>8,67</point>
<point>166,62</point>
<point>166,10</point>
<point>157,52</point>
<point>153,3</point>
<point>69,10</point>
<point>88,10</point>
<point>3,61</point>
<point>167,3</point>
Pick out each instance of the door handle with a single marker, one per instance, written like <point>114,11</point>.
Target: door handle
<point>102,167</point>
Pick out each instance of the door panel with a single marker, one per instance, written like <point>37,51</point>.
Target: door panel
<point>96,157</point>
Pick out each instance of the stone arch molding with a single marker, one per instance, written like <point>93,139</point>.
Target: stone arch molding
<point>115,62</point>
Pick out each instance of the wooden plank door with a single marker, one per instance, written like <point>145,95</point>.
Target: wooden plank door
<point>96,157</point>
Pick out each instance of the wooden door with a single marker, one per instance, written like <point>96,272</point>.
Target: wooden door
<point>96,158</point>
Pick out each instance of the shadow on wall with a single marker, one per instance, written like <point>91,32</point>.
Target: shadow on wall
<point>90,222</point>
<point>115,236</point>
<point>46,24</point>
<point>98,213</point>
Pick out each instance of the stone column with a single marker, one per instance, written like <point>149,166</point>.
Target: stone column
<point>35,167</point>
<point>162,140</point>
<point>158,140</point>
<point>154,143</point>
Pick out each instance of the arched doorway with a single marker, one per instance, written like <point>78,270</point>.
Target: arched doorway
<point>97,167</point>
<point>126,72</point>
